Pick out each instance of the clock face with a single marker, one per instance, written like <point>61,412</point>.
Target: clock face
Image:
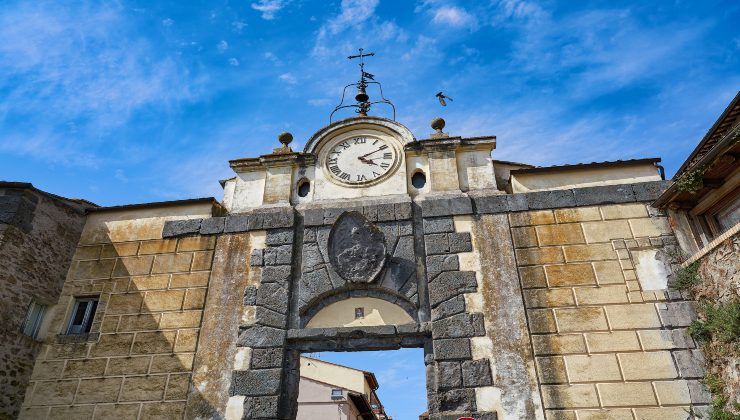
<point>361,159</point>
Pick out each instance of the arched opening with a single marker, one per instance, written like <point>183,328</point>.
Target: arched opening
<point>304,187</point>
<point>419,179</point>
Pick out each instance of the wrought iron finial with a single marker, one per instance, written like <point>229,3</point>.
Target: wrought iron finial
<point>363,99</point>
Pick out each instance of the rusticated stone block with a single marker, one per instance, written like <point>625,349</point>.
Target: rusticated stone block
<point>448,375</point>
<point>273,296</point>
<point>160,410</point>
<point>279,237</point>
<point>548,298</point>
<point>172,263</point>
<point>592,252</point>
<point>438,225</point>
<point>541,320</point>
<point>550,199</point>
<point>256,382</point>
<point>591,368</point>
<point>212,226</point>
<point>94,269</point>
<point>581,319</point>
<point>570,275</point>
<point>565,234</point>
<point>558,344</point>
<point>529,218</point>
<point>436,243</point>
<point>551,370</point>
<point>154,342</point>
<point>476,373</point>
<point>460,242</point>
<point>577,214</point>
<point>456,400</point>
<point>606,230</point>
<point>112,345</point>
<point>446,206</point>
<point>143,388</point>
<point>266,407</point>
<point>128,365</point>
<point>83,368</point>
<point>187,340</point>
<point>633,394</point>
<point>569,396</point>
<point>451,349</point>
<point>279,274</point>
<point>450,307</point>
<point>264,316</point>
<point>54,392</point>
<point>175,228</point>
<point>450,284</point>
<point>524,237</point>
<point>267,358</point>
<point>612,341</point>
<point>632,316</point>
<point>439,263</point>
<point>163,300</point>
<point>606,194</point>
<point>538,256</point>
<point>250,296</point>
<point>258,336</point>
<point>458,326</point>
<point>167,363</point>
<point>158,246</point>
<point>98,390</point>
<point>177,387</point>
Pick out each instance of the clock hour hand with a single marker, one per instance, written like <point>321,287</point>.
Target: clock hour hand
<point>368,161</point>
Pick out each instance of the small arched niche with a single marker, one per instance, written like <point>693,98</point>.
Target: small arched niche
<point>360,312</point>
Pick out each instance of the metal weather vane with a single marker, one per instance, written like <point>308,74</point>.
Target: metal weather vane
<point>363,99</point>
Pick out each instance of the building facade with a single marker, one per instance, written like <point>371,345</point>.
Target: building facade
<point>535,292</point>
<point>330,391</point>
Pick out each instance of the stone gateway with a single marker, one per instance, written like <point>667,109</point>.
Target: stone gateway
<point>520,283</point>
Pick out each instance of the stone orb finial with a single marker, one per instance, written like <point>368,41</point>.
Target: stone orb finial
<point>438,124</point>
<point>285,138</point>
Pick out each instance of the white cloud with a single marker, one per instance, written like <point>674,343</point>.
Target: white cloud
<point>269,8</point>
<point>77,74</point>
<point>233,62</point>
<point>352,13</point>
<point>453,16</point>
<point>319,102</point>
<point>238,25</point>
<point>167,22</point>
<point>288,78</point>
<point>222,46</point>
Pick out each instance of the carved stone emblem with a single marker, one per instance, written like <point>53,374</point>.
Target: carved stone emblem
<point>356,248</point>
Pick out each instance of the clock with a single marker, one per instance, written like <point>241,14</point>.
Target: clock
<point>361,160</point>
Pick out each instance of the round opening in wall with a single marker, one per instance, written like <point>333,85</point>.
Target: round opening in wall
<point>304,187</point>
<point>418,180</point>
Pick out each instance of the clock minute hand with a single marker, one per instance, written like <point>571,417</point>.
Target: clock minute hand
<point>374,151</point>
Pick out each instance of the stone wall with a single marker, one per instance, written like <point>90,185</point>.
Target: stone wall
<point>605,345</point>
<point>38,235</point>
<point>137,360</point>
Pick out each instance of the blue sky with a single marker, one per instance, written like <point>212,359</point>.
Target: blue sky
<point>400,374</point>
<point>135,101</point>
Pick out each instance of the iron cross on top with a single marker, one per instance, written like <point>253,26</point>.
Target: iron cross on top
<point>361,56</point>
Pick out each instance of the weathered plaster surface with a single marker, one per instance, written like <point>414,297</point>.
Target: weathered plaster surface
<point>510,349</point>
<point>214,360</point>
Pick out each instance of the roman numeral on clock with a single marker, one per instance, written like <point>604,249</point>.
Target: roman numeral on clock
<point>360,140</point>
<point>344,145</point>
<point>361,178</point>
<point>388,155</point>
<point>344,175</point>
<point>335,169</point>
<point>385,165</point>
<point>332,161</point>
